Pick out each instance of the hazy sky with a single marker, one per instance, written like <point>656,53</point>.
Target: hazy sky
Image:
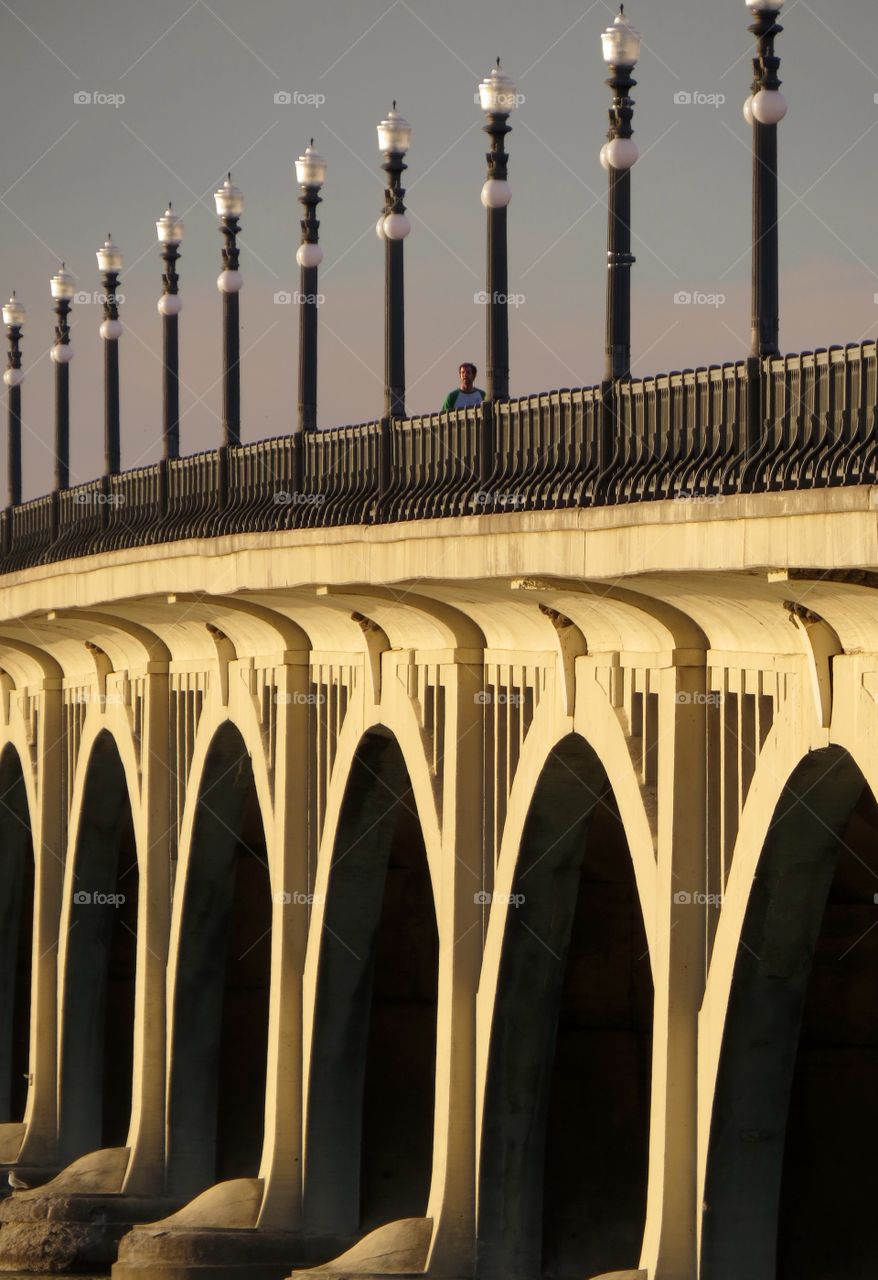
<point>199,80</point>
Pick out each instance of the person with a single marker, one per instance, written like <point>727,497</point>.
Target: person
<point>467,395</point>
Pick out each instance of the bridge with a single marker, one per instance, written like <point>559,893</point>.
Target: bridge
<point>445,845</point>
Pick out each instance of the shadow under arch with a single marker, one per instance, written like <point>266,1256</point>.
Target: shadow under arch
<point>795,1023</point>
<point>371,1083</point>
<point>219,1040</point>
<point>565,1125</point>
<point>16,936</point>
<point>97,1017</point>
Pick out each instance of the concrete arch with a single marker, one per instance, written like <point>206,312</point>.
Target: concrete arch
<point>531,945</point>
<point>226,824</point>
<point>16,935</point>
<point>99,929</point>
<point>769,962</point>
<point>378,853</point>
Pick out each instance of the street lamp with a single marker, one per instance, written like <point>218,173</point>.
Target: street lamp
<point>62,287</point>
<point>229,206</point>
<point>394,137</point>
<point>110,262</point>
<point>497,95</point>
<point>14,316</point>
<point>621,48</point>
<point>310,175</point>
<point>764,109</point>
<point>169,229</point>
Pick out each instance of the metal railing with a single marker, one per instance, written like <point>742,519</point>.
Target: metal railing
<point>800,422</point>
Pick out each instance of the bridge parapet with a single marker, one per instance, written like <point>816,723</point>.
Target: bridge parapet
<point>799,422</point>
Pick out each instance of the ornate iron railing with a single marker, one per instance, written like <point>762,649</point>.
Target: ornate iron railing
<point>801,422</point>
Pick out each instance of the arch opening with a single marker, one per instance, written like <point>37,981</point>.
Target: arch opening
<point>219,1057</point>
<point>563,1172</point>
<point>97,1029</point>
<point>16,937</point>
<point>372,1079</point>
<point>791,1176</point>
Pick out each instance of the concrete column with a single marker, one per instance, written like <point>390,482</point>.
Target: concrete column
<point>146,1168</point>
<point>452,1193</point>
<point>40,1141</point>
<point>669,1250</point>
<point>281,1166</point>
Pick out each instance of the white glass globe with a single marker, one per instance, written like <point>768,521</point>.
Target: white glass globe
<point>309,255</point>
<point>771,6</point>
<point>379,227</point>
<point>748,110</point>
<point>397,226</point>
<point>170,304</point>
<point>62,353</point>
<point>13,377</point>
<point>621,153</point>
<point>229,281</point>
<point>769,106</point>
<point>603,157</point>
<point>111,330</point>
<point>496,193</point>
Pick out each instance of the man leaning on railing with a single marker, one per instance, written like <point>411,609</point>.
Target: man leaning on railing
<point>466,396</point>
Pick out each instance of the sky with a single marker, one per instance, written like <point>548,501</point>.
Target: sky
<point>113,107</point>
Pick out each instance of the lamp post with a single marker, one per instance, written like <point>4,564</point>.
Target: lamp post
<point>764,110</point>
<point>169,229</point>
<point>394,137</point>
<point>310,175</point>
<point>62,287</point>
<point>621,48</point>
<point>229,206</point>
<point>497,96</point>
<point>110,262</point>
<point>14,316</point>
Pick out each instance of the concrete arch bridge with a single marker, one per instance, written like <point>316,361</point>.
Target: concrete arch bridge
<point>494,901</point>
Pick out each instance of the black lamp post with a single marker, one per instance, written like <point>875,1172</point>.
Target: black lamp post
<point>110,262</point>
<point>621,48</point>
<point>229,206</point>
<point>394,137</point>
<point>498,97</point>
<point>14,316</point>
<point>62,287</point>
<point>170,233</point>
<point>764,109</point>
<point>310,175</point>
